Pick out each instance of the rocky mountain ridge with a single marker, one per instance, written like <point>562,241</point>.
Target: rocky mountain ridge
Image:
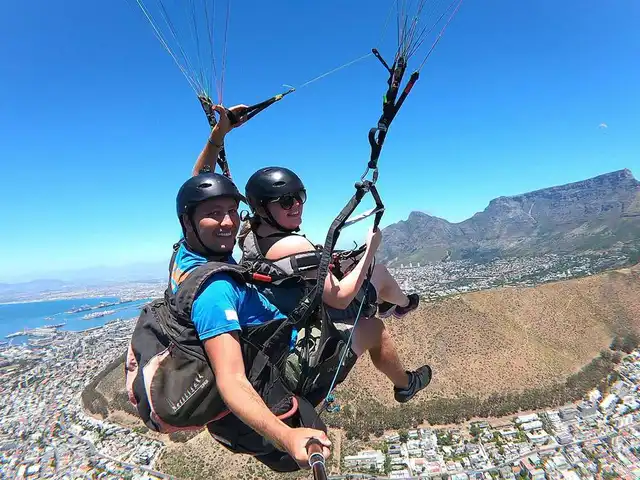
<point>594,214</point>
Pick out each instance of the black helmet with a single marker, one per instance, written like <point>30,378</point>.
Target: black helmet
<point>203,187</point>
<point>198,189</point>
<point>269,183</point>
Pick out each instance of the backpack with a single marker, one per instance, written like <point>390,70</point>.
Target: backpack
<point>171,383</point>
<point>169,379</point>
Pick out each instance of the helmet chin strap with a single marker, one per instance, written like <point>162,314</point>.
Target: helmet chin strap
<point>210,253</point>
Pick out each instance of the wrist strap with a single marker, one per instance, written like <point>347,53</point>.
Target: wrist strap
<point>215,144</point>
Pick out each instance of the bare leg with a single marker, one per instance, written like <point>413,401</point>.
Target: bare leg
<point>371,335</point>
<point>387,287</point>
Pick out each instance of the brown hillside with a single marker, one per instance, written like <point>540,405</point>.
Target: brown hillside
<point>509,338</point>
<point>491,341</point>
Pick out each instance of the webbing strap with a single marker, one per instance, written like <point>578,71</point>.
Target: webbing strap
<point>248,113</point>
<point>176,247</point>
<point>311,300</point>
<point>390,107</point>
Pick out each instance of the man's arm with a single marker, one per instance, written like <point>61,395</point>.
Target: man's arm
<point>225,355</point>
<point>209,154</point>
<point>215,142</point>
<point>215,315</point>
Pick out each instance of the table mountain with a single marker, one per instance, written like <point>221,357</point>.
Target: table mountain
<point>594,214</point>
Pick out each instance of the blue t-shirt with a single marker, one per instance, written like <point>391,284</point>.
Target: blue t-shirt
<point>223,304</point>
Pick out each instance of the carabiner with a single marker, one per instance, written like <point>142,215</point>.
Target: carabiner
<point>374,177</point>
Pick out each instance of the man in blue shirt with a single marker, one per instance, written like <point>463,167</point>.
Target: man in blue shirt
<point>207,206</point>
<point>223,305</point>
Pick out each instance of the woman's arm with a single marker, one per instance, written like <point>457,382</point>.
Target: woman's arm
<point>215,142</point>
<point>340,293</point>
<point>337,293</point>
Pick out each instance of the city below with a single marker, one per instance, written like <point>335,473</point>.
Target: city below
<point>45,432</point>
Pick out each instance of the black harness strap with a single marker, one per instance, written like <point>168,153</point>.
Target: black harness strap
<point>301,315</point>
<point>390,108</point>
<point>377,136</point>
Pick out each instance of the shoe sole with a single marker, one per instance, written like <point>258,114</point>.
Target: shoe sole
<point>387,314</point>
<point>402,315</point>
<point>428,382</point>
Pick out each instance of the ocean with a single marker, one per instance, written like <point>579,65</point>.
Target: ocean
<point>15,317</point>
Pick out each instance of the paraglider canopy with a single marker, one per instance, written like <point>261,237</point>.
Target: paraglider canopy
<point>194,33</point>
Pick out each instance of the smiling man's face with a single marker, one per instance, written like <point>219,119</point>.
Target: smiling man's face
<point>217,221</point>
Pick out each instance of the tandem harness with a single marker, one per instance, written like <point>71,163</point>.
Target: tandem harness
<point>325,258</point>
<point>169,378</point>
<point>171,384</point>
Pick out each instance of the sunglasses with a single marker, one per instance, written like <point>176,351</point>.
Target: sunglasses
<point>288,200</point>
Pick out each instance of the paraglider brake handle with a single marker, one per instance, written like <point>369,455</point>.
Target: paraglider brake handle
<point>379,57</point>
<point>253,110</point>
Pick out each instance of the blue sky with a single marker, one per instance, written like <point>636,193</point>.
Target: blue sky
<point>100,128</point>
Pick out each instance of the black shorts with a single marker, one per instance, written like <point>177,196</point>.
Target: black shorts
<point>279,462</point>
<point>343,319</point>
<point>238,437</point>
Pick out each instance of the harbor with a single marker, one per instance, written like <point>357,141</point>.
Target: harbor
<point>46,320</point>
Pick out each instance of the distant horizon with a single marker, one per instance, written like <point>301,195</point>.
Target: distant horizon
<point>156,269</point>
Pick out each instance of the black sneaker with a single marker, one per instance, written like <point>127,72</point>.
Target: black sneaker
<point>418,380</point>
<point>386,309</point>
<point>414,301</point>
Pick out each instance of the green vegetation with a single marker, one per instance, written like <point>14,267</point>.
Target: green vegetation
<point>371,416</point>
<point>626,343</point>
<point>497,437</point>
<point>632,252</point>
<point>387,465</point>
<point>521,436</point>
<point>444,438</point>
